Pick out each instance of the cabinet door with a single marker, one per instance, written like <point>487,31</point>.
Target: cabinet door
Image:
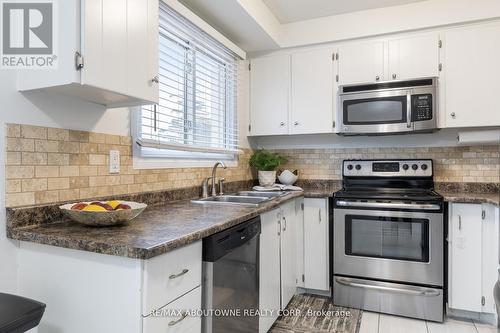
<point>105,48</point>
<point>269,95</point>
<point>142,51</point>
<point>169,321</point>
<point>490,259</point>
<point>269,280</point>
<point>465,253</point>
<point>313,95</point>
<point>414,57</point>
<point>316,244</point>
<point>299,241</point>
<point>472,76</point>
<point>288,252</point>
<point>361,62</point>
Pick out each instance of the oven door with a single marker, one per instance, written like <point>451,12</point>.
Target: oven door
<point>396,246</point>
<point>375,112</point>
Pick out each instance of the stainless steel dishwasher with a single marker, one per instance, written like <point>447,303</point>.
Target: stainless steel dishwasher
<point>231,279</point>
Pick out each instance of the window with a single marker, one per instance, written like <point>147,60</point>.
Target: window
<point>196,114</point>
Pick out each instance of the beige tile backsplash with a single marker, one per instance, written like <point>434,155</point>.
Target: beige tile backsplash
<point>45,165</point>
<point>479,164</point>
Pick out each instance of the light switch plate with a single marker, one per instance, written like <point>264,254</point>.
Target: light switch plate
<point>114,161</point>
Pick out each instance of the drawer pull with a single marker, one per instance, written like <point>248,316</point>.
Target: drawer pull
<point>173,276</point>
<point>175,322</point>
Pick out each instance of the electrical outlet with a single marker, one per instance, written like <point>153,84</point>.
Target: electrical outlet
<point>114,161</point>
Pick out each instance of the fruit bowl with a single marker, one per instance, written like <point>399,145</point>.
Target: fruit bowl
<point>98,213</point>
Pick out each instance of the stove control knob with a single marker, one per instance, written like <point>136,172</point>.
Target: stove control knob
<point>424,166</point>
<point>405,166</point>
<point>358,167</point>
<point>414,167</point>
<point>349,167</point>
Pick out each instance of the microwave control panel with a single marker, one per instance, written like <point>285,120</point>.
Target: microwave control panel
<point>421,106</point>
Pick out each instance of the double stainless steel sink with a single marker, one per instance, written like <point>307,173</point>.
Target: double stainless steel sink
<point>243,198</point>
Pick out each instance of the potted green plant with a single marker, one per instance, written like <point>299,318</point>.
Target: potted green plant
<point>266,163</point>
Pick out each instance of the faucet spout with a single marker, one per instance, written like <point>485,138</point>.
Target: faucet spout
<point>214,171</point>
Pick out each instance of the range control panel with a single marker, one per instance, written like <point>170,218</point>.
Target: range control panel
<point>387,168</point>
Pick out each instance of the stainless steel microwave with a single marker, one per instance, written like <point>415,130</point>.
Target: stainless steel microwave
<point>388,107</point>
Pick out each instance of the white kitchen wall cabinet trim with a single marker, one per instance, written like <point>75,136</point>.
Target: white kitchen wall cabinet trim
<point>108,53</point>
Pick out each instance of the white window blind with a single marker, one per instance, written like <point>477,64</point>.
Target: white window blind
<point>197,105</point>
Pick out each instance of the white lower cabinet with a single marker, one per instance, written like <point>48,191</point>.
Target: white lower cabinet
<point>91,292</point>
<point>278,260</point>
<point>316,244</point>
<point>473,257</point>
<point>174,318</point>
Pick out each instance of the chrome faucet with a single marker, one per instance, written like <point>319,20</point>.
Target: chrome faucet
<point>214,170</point>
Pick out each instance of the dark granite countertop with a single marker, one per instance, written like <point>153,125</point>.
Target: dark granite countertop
<point>159,229</point>
<point>468,197</point>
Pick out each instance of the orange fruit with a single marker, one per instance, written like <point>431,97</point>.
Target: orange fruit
<point>94,208</point>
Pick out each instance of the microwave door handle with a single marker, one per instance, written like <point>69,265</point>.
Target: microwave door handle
<point>408,109</point>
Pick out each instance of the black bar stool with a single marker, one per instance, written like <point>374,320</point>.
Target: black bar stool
<point>19,314</point>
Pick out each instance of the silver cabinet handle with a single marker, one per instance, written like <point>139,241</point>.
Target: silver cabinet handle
<point>282,123</point>
<point>155,79</point>
<point>296,123</point>
<point>377,78</point>
<point>319,212</point>
<point>408,109</point>
<point>284,224</point>
<point>174,276</point>
<point>423,292</point>
<point>394,76</point>
<point>460,222</point>
<point>343,203</point>
<point>453,115</point>
<point>175,322</point>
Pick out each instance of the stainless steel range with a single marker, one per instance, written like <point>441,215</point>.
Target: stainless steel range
<point>389,239</point>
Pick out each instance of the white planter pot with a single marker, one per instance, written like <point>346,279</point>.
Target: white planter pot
<point>267,178</point>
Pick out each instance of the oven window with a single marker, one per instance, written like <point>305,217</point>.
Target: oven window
<point>387,237</point>
<point>388,110</point>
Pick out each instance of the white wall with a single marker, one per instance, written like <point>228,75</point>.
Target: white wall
<point>45,110</point>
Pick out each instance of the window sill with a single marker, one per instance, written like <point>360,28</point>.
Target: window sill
<point>168,163</point>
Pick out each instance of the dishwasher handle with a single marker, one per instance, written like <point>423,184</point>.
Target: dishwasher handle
<point>218,245</point>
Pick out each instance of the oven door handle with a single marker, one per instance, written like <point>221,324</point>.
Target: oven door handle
<point>423,292</point>
<point>394,205</point>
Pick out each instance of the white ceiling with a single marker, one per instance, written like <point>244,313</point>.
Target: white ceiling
<point>287,11</point>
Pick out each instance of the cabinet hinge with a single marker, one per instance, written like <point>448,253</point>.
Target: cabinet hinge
<point>333,56</point>
<point>483,301</point>
<point>337,78</point>
<point>337,56</point>
<point>333,124</point>
<point>483,214</point>
<point>78,61</point>
<point>440,43</point>
<point>440,67</point>
<point>249,127</point>
<point>249,67</point>
<point>303,278</point>
<point>302,206</point>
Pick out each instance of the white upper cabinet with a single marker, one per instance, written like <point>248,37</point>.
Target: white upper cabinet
<point>313,92</point>
<point>269,95</point>
<point>414,57</point>
<point>361,62</point>
<point>116,44</point>
<point>471,72</point>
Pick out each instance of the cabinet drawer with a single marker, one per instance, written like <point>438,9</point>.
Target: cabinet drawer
<point>171,275</point>
<point>169,321</point>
